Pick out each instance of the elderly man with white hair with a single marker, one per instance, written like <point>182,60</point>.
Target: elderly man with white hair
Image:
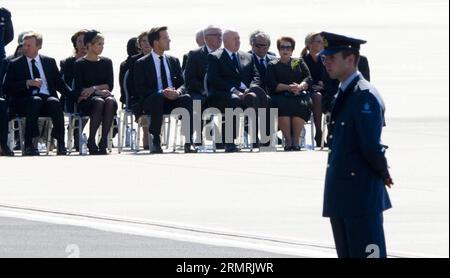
<point>233,79</point>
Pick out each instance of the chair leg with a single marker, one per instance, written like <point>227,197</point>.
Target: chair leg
<point>49,135</point>
<point>312,132</point>
<point>119,137</point>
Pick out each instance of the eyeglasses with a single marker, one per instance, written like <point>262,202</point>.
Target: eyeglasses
<point>285,47</point>
<point>257,45</point>
<point>214,35</point>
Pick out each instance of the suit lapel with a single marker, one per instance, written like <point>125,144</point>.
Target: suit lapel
<point>152,69</point>
<point>24,63</point>
<point>228,60</point>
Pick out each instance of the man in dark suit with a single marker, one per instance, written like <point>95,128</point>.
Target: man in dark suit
<point>197,63</point>
<point>31,84</point>
<point>233,80</point>
<point>158,80</point>
<point>357,172</point>
<point>200,40</point>
<point>4,148</point>
<point>260,43</point>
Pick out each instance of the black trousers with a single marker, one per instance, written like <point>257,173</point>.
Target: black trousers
<point>359,237</point>
<point>3,122</point>
<point>41,106</point>
<point>156,105</point>
<point>256,98</point>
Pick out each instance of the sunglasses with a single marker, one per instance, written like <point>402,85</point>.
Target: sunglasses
<point>214,35</point>
<point>285,47</point>
<point>257,45</point>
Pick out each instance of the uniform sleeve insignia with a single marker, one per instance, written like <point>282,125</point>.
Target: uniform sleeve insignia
<point>366,108</point>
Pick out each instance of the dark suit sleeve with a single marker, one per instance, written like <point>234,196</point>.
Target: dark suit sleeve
<point>178,73</point>
<point>256,80</point>
<point>141,85</point>
<point>123,69</point>
<point>60,84</point>
<point>192,73</point>
<point>369,119</point>
<point>214,79</point>
<point>9,29</point>
<point>13,86</point>
<point>271,79</point>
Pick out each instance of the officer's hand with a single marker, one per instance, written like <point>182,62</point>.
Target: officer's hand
<point>389,182</point>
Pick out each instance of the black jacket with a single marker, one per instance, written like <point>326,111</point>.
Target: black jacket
<point>196,65</point>
<point>145,78</point>
<point>222,74</point>
<point>18,73</point>
<point>6,30</point>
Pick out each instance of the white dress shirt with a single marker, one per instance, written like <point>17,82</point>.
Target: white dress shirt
<point>157,62</point>
<point>44,88</point>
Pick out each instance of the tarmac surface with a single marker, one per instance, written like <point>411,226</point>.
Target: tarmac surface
<point>265,201</point>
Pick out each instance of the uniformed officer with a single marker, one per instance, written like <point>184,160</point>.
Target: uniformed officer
<point>6,36</point>
<point>357,171</point>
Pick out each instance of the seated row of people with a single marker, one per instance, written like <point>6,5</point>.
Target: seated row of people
<point>157,84</point>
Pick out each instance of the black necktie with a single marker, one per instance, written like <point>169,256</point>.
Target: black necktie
<point>36,74</point>
<point>35,70</point>
<point>235,61</point>
<point>163,73</point>
<point>263,66</point>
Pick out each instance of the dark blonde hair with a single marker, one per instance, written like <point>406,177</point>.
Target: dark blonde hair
<point>308,40</point>
<point>35,35</point>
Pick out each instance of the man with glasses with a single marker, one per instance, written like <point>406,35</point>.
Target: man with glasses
<point>200,40</point>
<point>197,63</point>
<point>357,171</point>
<point>260,43</point>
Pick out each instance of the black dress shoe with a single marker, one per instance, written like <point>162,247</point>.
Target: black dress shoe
<point>102,151</point>
<point>93,148</point>
<point>296,148</point>
<point>61,150</point>
<point>256,145</point>
<point>156,150</point>
<point>31,151</point>
<point>6,151</point>
<point>189,148</point>
<point>231,148</point>
<point>288,148</point>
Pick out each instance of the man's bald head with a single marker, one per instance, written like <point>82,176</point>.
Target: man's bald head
<point>231,40</point>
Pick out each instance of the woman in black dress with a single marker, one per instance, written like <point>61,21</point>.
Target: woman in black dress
<point>94,81</point>
<point>313,45</point>
<point>288,79</point>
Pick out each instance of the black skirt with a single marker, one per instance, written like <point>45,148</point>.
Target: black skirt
<point>85,106</point>
<point>290,105</point>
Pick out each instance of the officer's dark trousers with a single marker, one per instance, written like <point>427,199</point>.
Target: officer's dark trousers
<point>41,106</point>
<point>359,237</point>
<point>3,122</point>
<point>156,105</point>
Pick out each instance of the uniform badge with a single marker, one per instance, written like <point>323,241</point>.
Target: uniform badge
<point>366,108</point>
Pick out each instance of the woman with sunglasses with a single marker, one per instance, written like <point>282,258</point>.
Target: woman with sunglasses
<point>288,79</point>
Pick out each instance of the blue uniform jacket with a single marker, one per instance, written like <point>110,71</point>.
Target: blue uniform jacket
<point>357,167</point>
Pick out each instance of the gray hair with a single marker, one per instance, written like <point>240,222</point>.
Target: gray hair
<point>211,27</point>
<point>257,34</point>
